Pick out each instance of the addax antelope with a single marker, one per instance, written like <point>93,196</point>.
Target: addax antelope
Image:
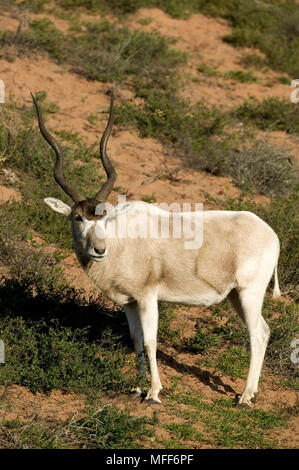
<point>237,257</point>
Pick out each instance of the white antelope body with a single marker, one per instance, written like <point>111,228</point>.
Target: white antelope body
<point>237,258</point>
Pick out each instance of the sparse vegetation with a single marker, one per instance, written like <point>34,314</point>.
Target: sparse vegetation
<point>253,60</point>
<point>271,26</point>
<point>151,64</point>
<point>198,134</point>
<point>227,426</point>
<point>236,75</point>
<point>174,121</point>
<point>212,337</point>
<point>150,199</point>
<point>201,341</point>
<point>270,114</point>
<point>209,71</point>
<point>117,52</point>
<point>166,333</point>
<point>240,76</point>
<point>234,362</point>
<point>103,428</point>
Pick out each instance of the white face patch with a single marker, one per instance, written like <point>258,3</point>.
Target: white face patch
<point>90,237</point>
<point>100,230</point>
<point>87,225</point>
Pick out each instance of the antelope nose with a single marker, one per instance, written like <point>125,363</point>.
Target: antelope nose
<point>100,252</point>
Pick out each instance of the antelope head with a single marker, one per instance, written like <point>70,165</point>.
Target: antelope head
<point>87,228</point>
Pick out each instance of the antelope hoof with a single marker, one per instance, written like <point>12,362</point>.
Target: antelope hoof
<point>246,400</point>
<point>151,401</point>
<point>152,398</point>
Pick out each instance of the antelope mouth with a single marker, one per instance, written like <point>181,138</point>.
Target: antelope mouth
<point>97,257</point>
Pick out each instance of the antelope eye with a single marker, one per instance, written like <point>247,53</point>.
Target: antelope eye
<point>78,218</point>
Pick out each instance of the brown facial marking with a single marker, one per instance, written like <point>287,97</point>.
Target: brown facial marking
<point>85,261</point>
<point>87,208</point>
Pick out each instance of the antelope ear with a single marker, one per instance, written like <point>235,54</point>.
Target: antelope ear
<point>58,206</point>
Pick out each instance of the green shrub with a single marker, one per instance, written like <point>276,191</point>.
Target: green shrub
<point>202,340</point>
<point>271,26</point>
<point>270,114</point>
<point>45,358</point>
<point>261,167</point>
<point>240,76</point>
<point>110,428</point>
<point>253,60</point>
<point>30,262</point>
<point>173,120</point>
<point>54,339</point>
<point>208,71</point>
